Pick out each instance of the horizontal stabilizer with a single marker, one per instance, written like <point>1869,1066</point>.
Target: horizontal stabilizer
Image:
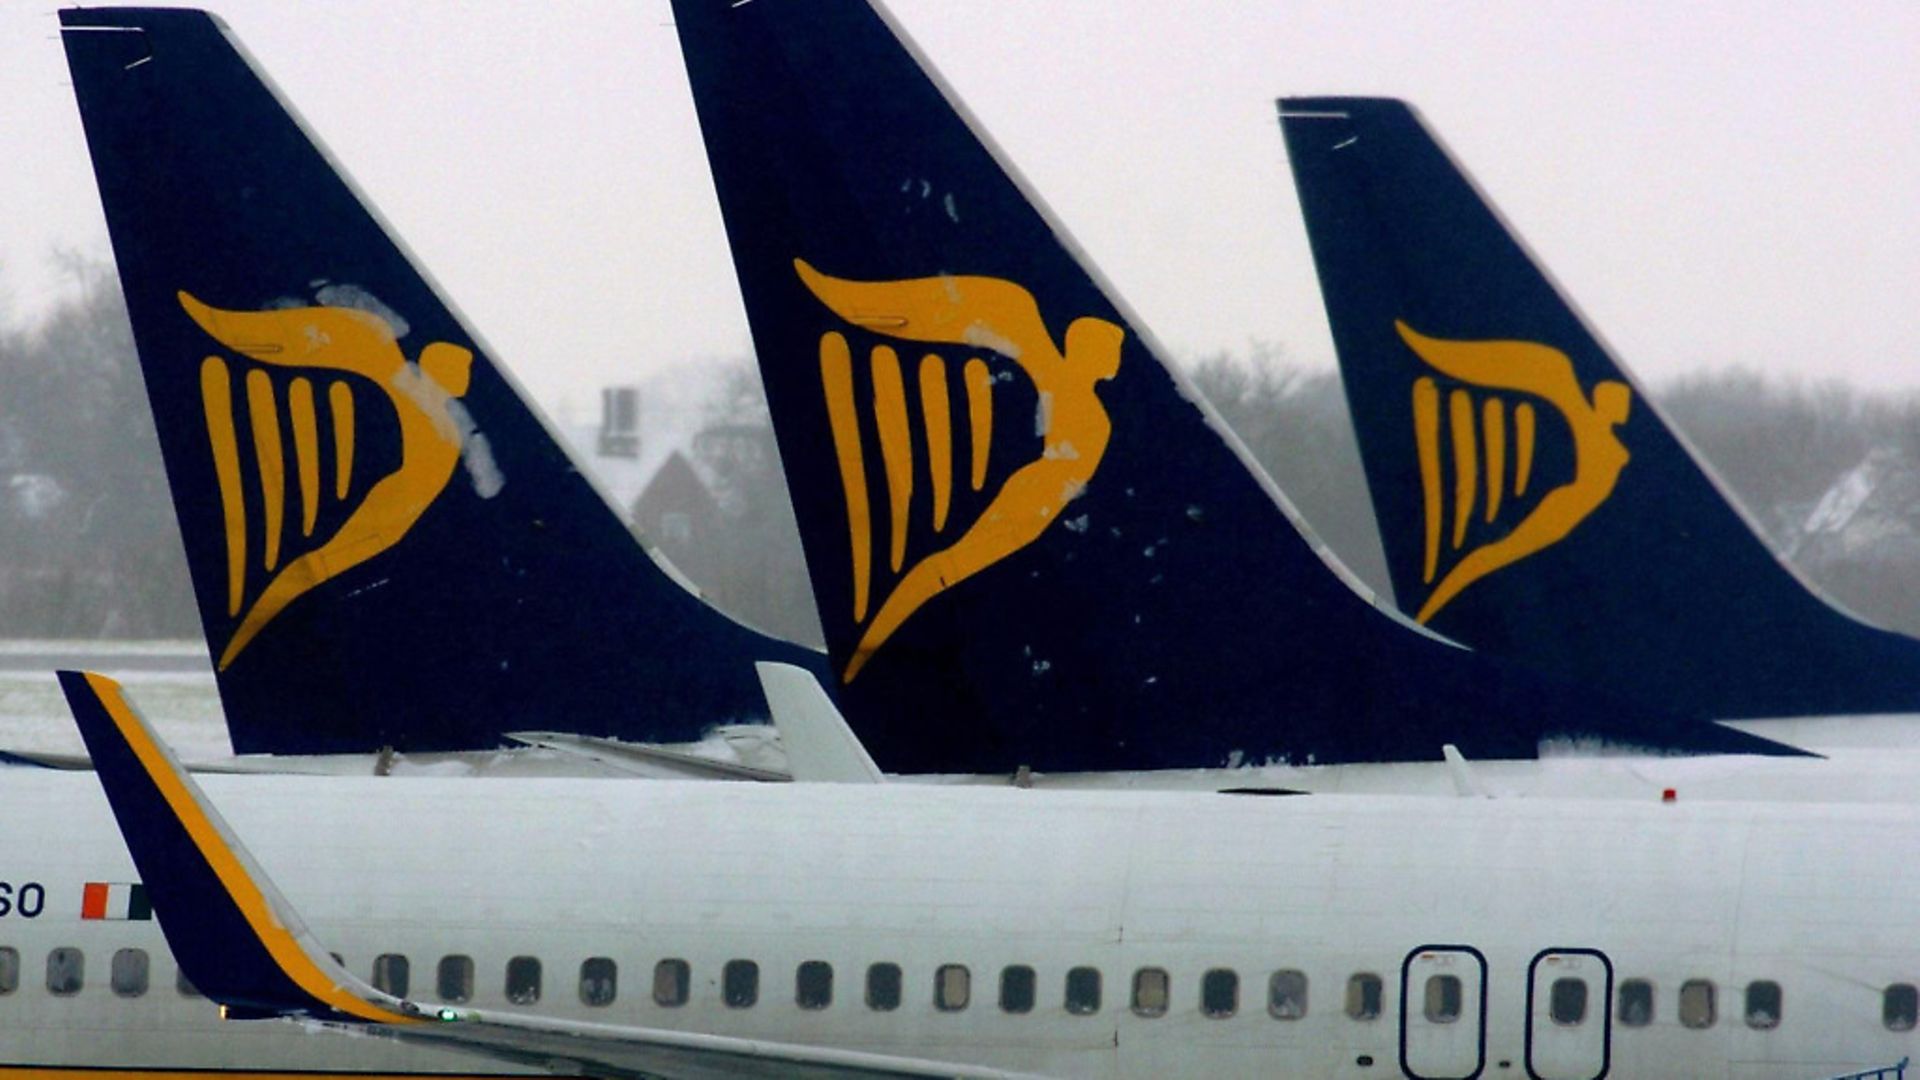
<point>641,760</point>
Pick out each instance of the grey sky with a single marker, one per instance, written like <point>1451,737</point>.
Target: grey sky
<point>1712,182</point>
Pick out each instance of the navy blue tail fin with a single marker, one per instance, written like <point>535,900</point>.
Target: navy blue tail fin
<point>387,546</point>
<point>1532,502</point>
<point>1030,545</point>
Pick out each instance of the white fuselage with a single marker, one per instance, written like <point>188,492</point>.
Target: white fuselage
<point>1503,896</point>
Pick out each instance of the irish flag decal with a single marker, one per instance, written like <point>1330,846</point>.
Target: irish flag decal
<point>104,900</point>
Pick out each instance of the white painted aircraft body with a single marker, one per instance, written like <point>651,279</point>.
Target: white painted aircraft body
<point>1498,894</point>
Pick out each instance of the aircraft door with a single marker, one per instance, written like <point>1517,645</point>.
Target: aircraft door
<point>1569,1015</point>
<point>1443,1013</point>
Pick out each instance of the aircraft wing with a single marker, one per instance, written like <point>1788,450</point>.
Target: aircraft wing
<point>610,1050</point>
<point>239,941</point>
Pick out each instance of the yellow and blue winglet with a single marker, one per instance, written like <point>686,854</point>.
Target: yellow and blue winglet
<point>232,933</point>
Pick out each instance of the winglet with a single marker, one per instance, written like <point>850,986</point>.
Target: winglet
<point>233,934</point>
<point>1465,783</point>
<point>820,746</point>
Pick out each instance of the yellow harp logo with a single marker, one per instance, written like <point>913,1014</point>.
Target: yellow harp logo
<point>343,346</point>
<point>979,314</point>
<point>1509,375</point>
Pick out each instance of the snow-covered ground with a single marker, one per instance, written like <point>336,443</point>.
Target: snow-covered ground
<point>181,653</point>
<point>170,682</point>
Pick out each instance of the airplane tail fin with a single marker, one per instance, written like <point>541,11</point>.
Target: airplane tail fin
<point>387,545</point>
<point>1030,543</point>
<point>1532,502</point>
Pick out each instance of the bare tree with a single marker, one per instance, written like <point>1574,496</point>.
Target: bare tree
<point>1294,423</point>
<point>88,543</point>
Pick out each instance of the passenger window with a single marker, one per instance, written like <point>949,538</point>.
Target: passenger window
<point>1083,991</point>
<point>1636,1003</point>
<point>9,970</point>
<point>453,983</point>
<point>523,980</point>
<point>1016,989</point>
<point>1696,1003</point>
<point>1220,993</point>
<point>672,982</point>
<point>127,974</point>
<point>1442,1004</point>
<point>1363,996</point>
<point>1567,1002</point>
<point>813,985</point>
<point>883,987</point>
<point>740,984</point>
<point>1150,992</point>
<point>952,987</point>
<point>392,973</point>
<point>599,981</point>
<point>66,971</point>
<point>1763,1004</point>
<point>1287,995</point>
<point>1899,1005</point>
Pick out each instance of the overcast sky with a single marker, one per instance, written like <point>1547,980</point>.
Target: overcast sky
<point>1712,182</point>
